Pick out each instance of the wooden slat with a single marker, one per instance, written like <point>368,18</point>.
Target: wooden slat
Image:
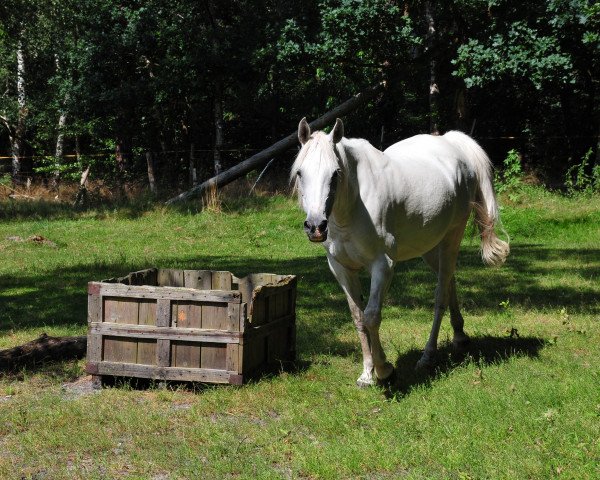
<point>94,308</point>
<point>146,352</point>
<point>94,348</point>
<point>164,373</point>
<point>267,329</point>
<point>188,315</point>
<point>141,277</point>
<point>144,277</point>
<point>204,279</point>
<point>232,362</point>
<point>185,354</point>
<point>120,311</point>
<point>271,308</point>
<point>199,279</point>
<point>171,293</point>
<point>258,311</point>
<point>172,333</point>
<point>170,277</point>
<point>163,352</point>
<point>214,317</point>
<point>233,317</point>
<point>214,355</point>
<point>221,280</point>
<point>163,312</point>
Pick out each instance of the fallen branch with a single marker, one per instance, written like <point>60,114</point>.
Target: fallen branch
<point>262,157</point>
<point>42,349</point>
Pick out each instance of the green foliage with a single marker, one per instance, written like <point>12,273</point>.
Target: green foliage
<point>521,52</point>
<point>510,179</point>
<point>144,76</point>
<point>580,179</point>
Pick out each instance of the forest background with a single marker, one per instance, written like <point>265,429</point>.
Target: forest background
<point>183,88</point>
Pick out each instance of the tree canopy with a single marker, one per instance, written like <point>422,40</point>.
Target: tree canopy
<point>201,83</point>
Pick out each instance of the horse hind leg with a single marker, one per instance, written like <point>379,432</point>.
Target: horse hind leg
<point>460,339</point>
<point>442,260</point>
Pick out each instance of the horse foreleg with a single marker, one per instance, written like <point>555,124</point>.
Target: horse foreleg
<point>381,276</point>
<point>350,283</point>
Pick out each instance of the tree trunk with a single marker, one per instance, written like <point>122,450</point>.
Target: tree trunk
<point>82,194</point>
<point>151,177</point>
<point>60,136</point>
<point>16,139</point>
<point>193,174</point>
<point>433,87</point>
<point>218,110</point>
<point>60,143</point>
<point>259,159</point>
<point>43,349</point>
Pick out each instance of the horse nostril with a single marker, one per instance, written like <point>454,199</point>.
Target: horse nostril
<point>323,226</point>
<point>308,227</point>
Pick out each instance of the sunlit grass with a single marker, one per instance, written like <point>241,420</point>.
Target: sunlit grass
<point>523,402</point>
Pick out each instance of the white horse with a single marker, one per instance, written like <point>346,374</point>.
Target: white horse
<point>371,209</point>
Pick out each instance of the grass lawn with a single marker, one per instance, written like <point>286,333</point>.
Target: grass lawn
<point>523,403</point>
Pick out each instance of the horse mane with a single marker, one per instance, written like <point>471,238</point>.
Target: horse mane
<point>317,141</point>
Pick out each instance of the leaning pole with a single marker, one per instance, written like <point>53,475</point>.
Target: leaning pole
<point>259,159</point>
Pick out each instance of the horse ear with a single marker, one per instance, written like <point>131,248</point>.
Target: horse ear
<point>338,131</point>
<point>303,131</point>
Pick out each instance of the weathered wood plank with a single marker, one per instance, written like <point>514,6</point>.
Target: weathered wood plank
<point>188,315</point>
<point>258,311</point>
<point>163,312</point>
<point>172,333</point>
<point>146,353</point>
<point>163,352</point>
<point>214,355</point>
<point>268,328</point>
<point>94,347</point>
<point>170,277</point>
<point>233,317</point>
<point>94,308</point>
<point>214,317</point>
<point>163,373</point>
<point>232,362</point>
<point>171,293</point>
<point>221,280</point>
<point>141,277</point>
<point>199,279</point>
<point>120,311</point>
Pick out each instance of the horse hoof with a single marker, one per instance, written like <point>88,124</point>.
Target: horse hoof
<point>424,364</point>
<point>387,381</point>
<point>461,342</point>
<point>385,372</point>
<point>364,383</point>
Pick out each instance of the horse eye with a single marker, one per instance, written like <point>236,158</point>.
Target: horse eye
<point>298,174</point>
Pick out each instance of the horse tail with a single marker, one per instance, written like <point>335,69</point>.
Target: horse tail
<point>493,250</point>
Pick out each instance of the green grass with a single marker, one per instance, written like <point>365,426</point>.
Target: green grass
<point>520,405</point>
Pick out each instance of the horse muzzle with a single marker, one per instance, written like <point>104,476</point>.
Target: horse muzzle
<point>316,233</point>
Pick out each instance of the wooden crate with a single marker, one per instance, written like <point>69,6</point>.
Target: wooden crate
<point>190,325</point>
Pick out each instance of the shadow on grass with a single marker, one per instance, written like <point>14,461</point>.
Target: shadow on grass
<point>483,350</point>
<point>128,209</point>
<point>57,298</point>
<point>531,279</point>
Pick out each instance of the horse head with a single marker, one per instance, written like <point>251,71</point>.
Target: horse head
<point>317,171</point>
